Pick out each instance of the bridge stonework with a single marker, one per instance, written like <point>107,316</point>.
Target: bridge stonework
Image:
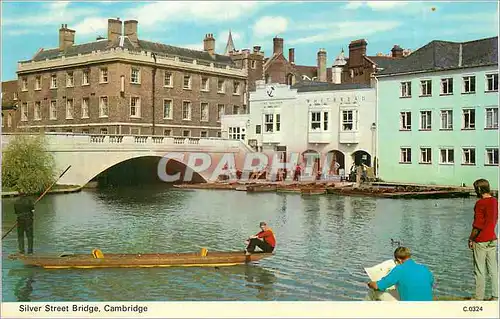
<point>90,155</point>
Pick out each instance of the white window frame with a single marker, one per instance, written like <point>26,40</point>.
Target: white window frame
<point>103,108</point>
<point>277,122</point>
<point>53,81</point>
<point>53,110</point>
<point>269,123</point>
<point>446,120</point>
<point>135,79</point>
<point>37,109</point>
<point>405,121</point>
<point>472,124</point>
<point>69,109</point>
<point>135,108</point>
<point>103,131</point>
<point>205,88</point>
<point>189,110</point>
<point>15,96</point>
<point>405,89</point>
<point>170,77</point>
<point>70,80</point>
<point>427,84</point>
<point>85,108</point>
<point>221,110</point>
<point>24,112</point>
<point>405,155</point>
<point>168,115</point>
<point>426,121</point>
<point>352,121</point>
<point>190,78</point>
<point>444,156</point>
<point>86,77</point>
<point>103,75</point>
<point>493,112</point>
<point>202,117</point>
<point>235,133</point>
<point>492,151</point>
<point>493,77</point>
<point>425,155</point>
<point>446,86</point>
<point>236,88</point>
<point>24,84</point>
<point>469,81</point>
<point>223,88</point>
<point>38,83</point>
<point>468,156</point>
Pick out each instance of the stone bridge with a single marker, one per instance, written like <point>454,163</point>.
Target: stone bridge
<point>90,155</point>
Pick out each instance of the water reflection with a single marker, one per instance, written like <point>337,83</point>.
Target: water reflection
<point>24,285</point>
<point>257,278</point>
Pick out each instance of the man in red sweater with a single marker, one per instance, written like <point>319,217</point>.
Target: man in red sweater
<point>483,240</point>
<point>265,240</point>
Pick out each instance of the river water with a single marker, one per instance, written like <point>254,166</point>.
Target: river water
<point>323,244</point>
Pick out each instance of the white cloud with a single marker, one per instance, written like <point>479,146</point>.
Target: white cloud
<point>376,5</point>
<point>268,26</point>
<point>96,26</point>
<point>349,30</point>
<point>60,12</point>
<point>353,5</point>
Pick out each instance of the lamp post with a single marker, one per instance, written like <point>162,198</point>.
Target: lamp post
<point>373,128</point>
<point>153,94</point>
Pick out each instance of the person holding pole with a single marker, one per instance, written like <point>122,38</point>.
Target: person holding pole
<point>24,208</point>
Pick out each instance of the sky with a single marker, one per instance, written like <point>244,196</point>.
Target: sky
<point>305,25</point>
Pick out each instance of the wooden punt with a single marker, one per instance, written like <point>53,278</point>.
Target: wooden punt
<point>211,259</point>
<point>312,191</point>
<point>261,188</point>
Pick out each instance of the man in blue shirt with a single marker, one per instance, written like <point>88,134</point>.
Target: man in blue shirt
<point>413,281</point>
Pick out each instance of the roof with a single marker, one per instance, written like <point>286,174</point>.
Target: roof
<point>383,61</point>
<point>154,47</point>
<point>442,55</point>
<point>326,86</point>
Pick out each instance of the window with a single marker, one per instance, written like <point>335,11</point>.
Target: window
<point>220,111</point>
<point>447,120</point>
<point>9,120</point>
<point>315,121</point>
<point>405,89</point>
<point>405,155</point>
<point>491,82</point>
<point>405,121</point>
<point>258,129</point>
<point>220,86</point>
<point>234,133</point>
<point>219,133</point>
<point>186,110</point>
<point>278,124</point>
<point>69,109</point>
<point>135,76</point>
<point>187,82</point>
<point>168,79</point>
<point>204,112</point>
<point>491,117</point>
<point>425,120</point>
<point>15,96</point>
<point>69,79</point>
<point>103,106</point>
<point>135,106</point>
<point>24,112</point>
<point>103,131</point>
<point>469,84</point>
<point>86,77</point>
<point>85,131</point>
<point>85,107</point>
<point>135,131</point>
<point>325,121</point>
<point>425,155</point>
<point>53,81</point>
<point>203,134</point>
<point>186,133</point>
<point>37,110</point>
<point>447,86</point>
<point>24,84</point>
<point>447,156</point>
<point>425,88</point>
<point>236,109</point>
<point>167,109</point>
<point>104,75</point>
<point>205,84</point>
<point>236,88</point>
<point>469,156</point>
<point>38,83</point>
<point>469,119</point>
<point>491,156</point>
<point>269,122</point>
<point>53,110</point>
<point>167,132</point>
<point>347,120</point>
<point>253,64</point>
<point>68,130</point>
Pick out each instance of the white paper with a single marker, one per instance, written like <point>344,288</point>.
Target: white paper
<point>381,270</point>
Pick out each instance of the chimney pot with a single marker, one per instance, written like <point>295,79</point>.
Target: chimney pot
<point>130,31</point>
<point>114,29</point>
<point>291,55</point>
<point>209,44</point>
<point>322,65</point>
<point>66,37</point>
<point>277,45</point>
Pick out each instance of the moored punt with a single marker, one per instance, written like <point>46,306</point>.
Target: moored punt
<point>207,186</point>
<point>261,188</point>
<point>312,191</point>
<point>209,259</point>
<point>395,193</point>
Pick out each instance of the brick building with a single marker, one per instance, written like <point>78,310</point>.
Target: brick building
<point>125,85</point>
<point>9,105</point>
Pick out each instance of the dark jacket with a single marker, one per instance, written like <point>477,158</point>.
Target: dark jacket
<point>24,207</point>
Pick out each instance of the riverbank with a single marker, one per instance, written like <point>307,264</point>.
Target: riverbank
<point>57,189</point>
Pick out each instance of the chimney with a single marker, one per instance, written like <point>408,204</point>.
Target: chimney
<point>256,48</point>
<point>291,55</point>
<point>130,31</point>
<point>66,37</point>
<point>322,65</point>
<point>397,51</point>
<point>209,44</point>
<point>357,49</point>
<point>277,45</point>
<point>114,29</point>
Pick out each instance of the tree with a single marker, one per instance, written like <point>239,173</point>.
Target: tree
<point>26,165</point>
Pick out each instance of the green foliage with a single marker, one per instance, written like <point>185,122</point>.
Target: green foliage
<point>26,166</point>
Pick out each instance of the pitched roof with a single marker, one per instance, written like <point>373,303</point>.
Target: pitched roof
<point>311,71</point>
<point>326,86</point>
<point>382,61</point>
<point>155,47</point>
<point>442,55</point>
